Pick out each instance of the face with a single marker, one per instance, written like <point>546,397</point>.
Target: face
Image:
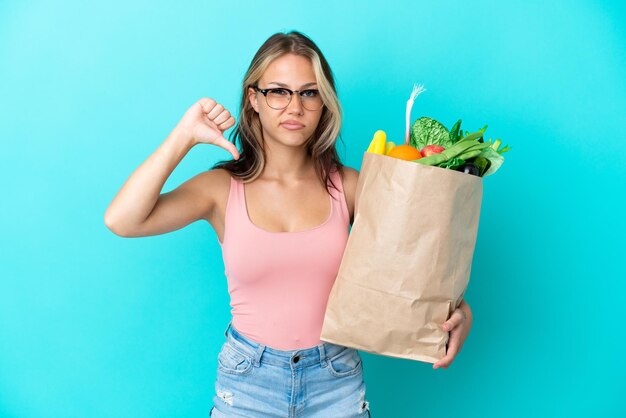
<point>296,73</point>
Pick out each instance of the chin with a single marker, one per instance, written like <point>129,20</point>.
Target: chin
<point>290,139</point>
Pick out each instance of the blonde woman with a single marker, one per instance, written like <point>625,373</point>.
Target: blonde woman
<point>281,210</point>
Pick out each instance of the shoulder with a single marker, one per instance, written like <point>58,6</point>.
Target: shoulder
<point>213,180</point>
<point>214,186</point>
<point>217,176</point>
<point>350,179</point>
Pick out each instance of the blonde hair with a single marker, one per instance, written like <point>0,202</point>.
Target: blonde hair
<point>248,131</point>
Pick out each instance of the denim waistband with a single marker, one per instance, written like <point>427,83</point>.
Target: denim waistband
<point>261,353</point>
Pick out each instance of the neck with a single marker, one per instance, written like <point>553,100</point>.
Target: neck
<point>287,163</point>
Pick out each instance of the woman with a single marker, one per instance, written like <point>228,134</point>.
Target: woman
<point>281,211</point>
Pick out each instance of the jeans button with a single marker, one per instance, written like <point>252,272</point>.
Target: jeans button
<point>296,359</point>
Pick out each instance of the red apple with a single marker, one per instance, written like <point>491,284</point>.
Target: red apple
<point>431,149</point>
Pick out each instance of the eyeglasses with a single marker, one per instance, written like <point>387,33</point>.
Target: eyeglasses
<point>279,98</point>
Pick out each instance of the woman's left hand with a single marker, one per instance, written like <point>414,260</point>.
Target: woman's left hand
<point>459,326</point>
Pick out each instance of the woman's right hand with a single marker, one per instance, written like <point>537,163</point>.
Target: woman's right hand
<point>206,121</point>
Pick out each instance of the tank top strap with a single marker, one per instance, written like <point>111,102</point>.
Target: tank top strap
<point>234,206</point>
<point>237,212</point>
<point>261,267</point>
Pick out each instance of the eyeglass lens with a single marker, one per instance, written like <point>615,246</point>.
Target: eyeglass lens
<point>280,99</point>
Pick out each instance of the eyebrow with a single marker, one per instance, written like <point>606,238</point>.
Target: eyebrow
<point>285,85</point>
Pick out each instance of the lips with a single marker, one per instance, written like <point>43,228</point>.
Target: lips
<point>292,124</point>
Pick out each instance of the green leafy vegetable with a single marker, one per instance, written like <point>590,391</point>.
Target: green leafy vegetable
<point>482,164</point>
<point>452,164</point>
<point>455,133</point>
<point>427,131</point>
<point>465,145</point>
<point>462,148</point>
<point>496,147</point>
<point>483,129</point>
<point>494,158</point>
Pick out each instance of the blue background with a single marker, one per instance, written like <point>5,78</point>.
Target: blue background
<point>94,325</point>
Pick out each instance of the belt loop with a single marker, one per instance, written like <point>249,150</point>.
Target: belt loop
<point>226,332</point>
<point>322,355</point>
<point>258,354</point>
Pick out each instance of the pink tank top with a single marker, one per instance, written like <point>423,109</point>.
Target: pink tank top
<point>279,282</point>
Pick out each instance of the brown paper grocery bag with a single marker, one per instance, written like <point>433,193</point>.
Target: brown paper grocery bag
<point>407,260</point>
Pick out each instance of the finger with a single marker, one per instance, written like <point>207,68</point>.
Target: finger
<point>445,360</point>
<point>451,352</point>
<point>228,146</point>
<point>215,111</point>
<point>207,104</point>
<point>228,124</point>
<point>457,317</point>
<point>222,117</point>
<point>443,363</point>
<point>454,345</point>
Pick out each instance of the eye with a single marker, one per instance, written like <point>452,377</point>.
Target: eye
<point>310,93</point>
<point>279,92</point>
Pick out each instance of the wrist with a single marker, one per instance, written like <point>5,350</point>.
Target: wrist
<point>182,137</point>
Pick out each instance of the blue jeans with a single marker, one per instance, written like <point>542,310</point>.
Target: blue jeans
<point>254,380</point>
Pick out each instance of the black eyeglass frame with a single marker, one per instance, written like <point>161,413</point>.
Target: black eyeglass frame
<point>291,92</point>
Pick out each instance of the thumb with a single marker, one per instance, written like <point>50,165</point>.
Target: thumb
<point>457,317</point>
<point>227,145</point>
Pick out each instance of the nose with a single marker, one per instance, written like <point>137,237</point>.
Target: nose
<point>295,105</point>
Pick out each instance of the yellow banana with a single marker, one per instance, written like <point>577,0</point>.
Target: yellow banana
<point>377,146</point>
<point>388,146</point>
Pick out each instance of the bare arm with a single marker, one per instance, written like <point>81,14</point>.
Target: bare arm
<point>139,208</point>
<point>134,202</point>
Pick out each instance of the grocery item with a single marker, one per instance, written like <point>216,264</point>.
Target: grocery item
<point>437,146</point>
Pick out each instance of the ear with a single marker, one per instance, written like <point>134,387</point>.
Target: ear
<point>252,97</point>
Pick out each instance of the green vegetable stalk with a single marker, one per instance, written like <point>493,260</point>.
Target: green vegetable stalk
<point>464,146</point>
